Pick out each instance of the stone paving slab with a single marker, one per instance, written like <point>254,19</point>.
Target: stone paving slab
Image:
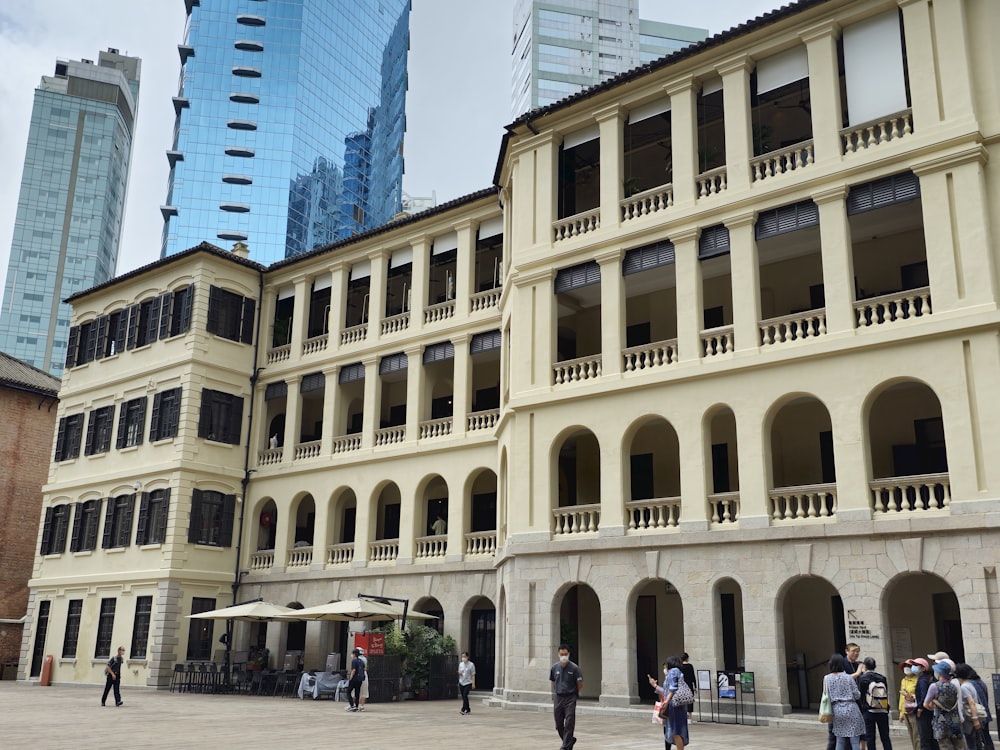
<point>72,717</point>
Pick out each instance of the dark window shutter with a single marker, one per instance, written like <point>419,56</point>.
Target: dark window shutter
<point>133,326</point>
<point>61,439</point>
<point>91,347</point>
<point>74,540</point>
<point>315,381</point>
<point>153,321</point>
<point>127,520</point>
<point>101,336</point>
<point>439,352</point>
<point>141,535</point>
<point>92,536</point>
<point>649,256</point>
<point>161,526</point>
<point>228,516</point>
<point>392,363</point>
<point>193,527</point>
<point>713,241</point>
<point>205,416</point>
<point>351,373</point>
<point>109,519</point>
<point>91,424</point>
<point>246,332</point>
<point>577,277</point>
<point>46,533</point>
<point>786,219</point>
<point>62,526</point>
<point>71,347</point>
<point>276,390</point>
<point>140,417</point>
<point>897,188</point>
<point>154,421</point>
<point>484,342</point>
<point>235,426</point>
<point>186,302</point>
<point>165,303</point>
<point>214,310</point>
<point>172,415</point>
<point>121,332</point>
<point>122,425</point>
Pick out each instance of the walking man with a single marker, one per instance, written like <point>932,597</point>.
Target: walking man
<point>567,682</point>
<point>113,673</point>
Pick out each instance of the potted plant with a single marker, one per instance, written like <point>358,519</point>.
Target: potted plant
<point>257,659</point>
<point>417,646</point>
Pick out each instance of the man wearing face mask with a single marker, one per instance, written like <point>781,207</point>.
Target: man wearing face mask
<point>567,682</point>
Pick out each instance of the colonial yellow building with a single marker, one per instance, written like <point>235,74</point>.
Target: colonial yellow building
<point>713,368</point>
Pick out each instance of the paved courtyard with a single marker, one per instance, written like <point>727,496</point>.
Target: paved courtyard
<point>71,717</point>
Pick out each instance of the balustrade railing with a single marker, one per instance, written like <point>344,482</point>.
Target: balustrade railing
<point>577,519</point>
<point>340,554</point>
<point>346,443</point>
<point>431,546</point>
<point>647,356</point>
<point>573,226</point>
<point>354,334</point>
<point>573,370</point>
<point>300,557</point>
<point>648,202</point>
<point>279,354</point>
<point>483,420</point>
<point>396,323</point>
<point>711,182</point>
<point>656,513</point>
<point>390,435</point>
<point>315,344</point>
<point>485,300</point>
<point>888,308</point>
<point>913,494</point>
<point>868,134</point>
<point>799,156</point>
<point>440,311</point>
<point>384,550</point>
<point>433,428</point>
<point>481,543</point>
<point>725,507</point>
<point>807,501</point>
<point>262,560</point>
<point>270,456</point>
<point>803,325</point>
<point>307,450</point>
<point>717,341</point>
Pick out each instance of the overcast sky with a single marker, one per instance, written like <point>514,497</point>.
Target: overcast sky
<point>457,105</point>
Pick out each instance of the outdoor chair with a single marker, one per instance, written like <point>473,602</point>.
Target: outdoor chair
<point>177,678</point>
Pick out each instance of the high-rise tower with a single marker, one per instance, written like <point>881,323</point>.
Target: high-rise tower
<point>290,123</point>
<point>72,201</point>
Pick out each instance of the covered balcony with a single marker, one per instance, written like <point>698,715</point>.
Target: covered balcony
<point>578,324</point>
<point>650,307</point>
<point>724,499</point>
<point>803,473</point>
<point>579,184</point>
<point>647,161</point>
<point>654,478</point>
<point>577,485</point>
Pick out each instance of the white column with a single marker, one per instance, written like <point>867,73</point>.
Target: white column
<point>752,456</point>
<point>824,91</point>
<point>956,77</point>
<point>266,323</point>
<point>419,281</point>
<point>736,107</point>
<point>461,395</point>
<point>338,300</point>
<point>300,314</point>
<point>415,400</point>
<point>609,122</point>
<point>922,73</point>
<point>612,311</point>
<point>376,296</point>
<point>331,393</point>
<point>744,274</point>
<point>465,264</point>
<point>364,523</point>
<point>408,529</point>
<point>373,397</point>
<point>694,440</point>
<point>683,141</point>
<point>544,174</point>
<point>838,259</point>
<point>293,411</point>
<point>690,305</point>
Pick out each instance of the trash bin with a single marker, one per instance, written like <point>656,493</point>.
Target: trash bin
<point>8,670</point>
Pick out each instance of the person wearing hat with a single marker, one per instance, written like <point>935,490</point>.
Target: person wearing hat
<point>908,700</point>
<point>355,681</point>
<point>944,700</point>
<point>925,717</point>
<point>940,656</point>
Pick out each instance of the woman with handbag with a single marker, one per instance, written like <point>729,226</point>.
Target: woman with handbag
<point>848,724</point>
<point>908,700</point>
<point>676,697</point>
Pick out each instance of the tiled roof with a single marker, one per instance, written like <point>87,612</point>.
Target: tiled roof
<point>20,375</point>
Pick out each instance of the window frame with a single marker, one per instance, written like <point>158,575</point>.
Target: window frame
<point>105,628</point>
<point>140,627</point>
<point>221,417</point>
<point>165,417</point>
<point>212,517</point>
<point>69,437</point>
<point>99,429</point>
<point>132,423</point>
<point>118,522</point>
<point>71,635</point>
<point>154,511</point>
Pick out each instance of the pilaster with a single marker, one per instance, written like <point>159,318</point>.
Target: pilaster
<point>745,279</point>
<point>376,295</point>
<point>373,394</point>
<point>338,302</point>
<point>824,90</point>
<point>415,400</point>
<point>690,305</point>
<point>293,411</point>
<point>331,393</point>
<point>465,266</point>
<point>612,311</point>
<point>683,140</point>
<point>838,259</point>
<point>461,396</point>
<point>609,121</point>
<point>736,107</point>
<point>418,291</point>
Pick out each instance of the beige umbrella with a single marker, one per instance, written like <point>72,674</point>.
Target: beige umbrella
<point>355,609</point>
<point>249,612</point>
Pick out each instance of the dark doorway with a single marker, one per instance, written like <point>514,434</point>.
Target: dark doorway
<point>642,476</point>
<point>646,646</point>
<point>827,465</point>
<point>484,512</point>
<point>730,652</point>
<point>839,624</point>
<point>482,646</point>
<point>347,527</point>
<point>720,468</point>
<point>437,506</point>
<point>43,628</point>
<point>390,529</point>
<point>296,637</point>
<point>949,626</point>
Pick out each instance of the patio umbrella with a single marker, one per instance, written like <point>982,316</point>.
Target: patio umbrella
<point>249,612</point>
<point>354,609</point>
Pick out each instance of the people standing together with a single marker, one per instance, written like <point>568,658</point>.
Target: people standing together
<point>676,697</point>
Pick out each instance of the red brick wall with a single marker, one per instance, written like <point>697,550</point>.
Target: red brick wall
<point>29,422</point>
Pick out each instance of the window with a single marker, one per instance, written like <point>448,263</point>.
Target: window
<point>148,322</point>
<point>115,341</point>
<point>131,422</point>
<point>85,522</point>
<point>230,315</point>
<point>140,626</point>
<point>166,409</point>
<point>212,516</point>
<point>72,628</point>
<point>179,315</point>
<point>221,417</point>
<point>118,522</point>
<point>105,629</point>
<point>99,430</point>
<point>153,507</point>
<point>54,530</point>
<point>68,437</point>
<point>200,632</point>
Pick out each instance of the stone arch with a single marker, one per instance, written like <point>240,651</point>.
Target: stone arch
<point>651,468</point>
<point>576,464</point>
<point>429,605</point>
<point>798,435</point>
<point>576,611</point>
<point>432,494</point>
<point>722,463</point>
<point>264,523</point>
<point>810,623</point>
<point>656,612</point>
<point>729,627</point>
<point>342,518</point>
<point>480,500</point>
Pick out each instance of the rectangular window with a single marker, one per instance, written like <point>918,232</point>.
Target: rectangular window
<point>68,437</point>
<point>212,516</point>
<point>221,417</point>
<point>55,530</point>
<point>118,522</point>
<point>114,341</point>
<point>105,629</point>
<point>99,430</point>
<point>140,626</point>
<point>230,315</point>
<point>166,410</point>
<point>152,527</point>
<point>200,632</point>
<point>180,311</point>
<point>131,423</point>
<point>72,628</point>
<point>85,522</point>
<point>148,323</point>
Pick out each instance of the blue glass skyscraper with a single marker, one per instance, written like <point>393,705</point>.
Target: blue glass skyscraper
<point>71,203</point>
<point>290,123</point>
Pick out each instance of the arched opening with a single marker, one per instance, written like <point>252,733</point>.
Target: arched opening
<point>276,431</point>
<point>431,606</point>
<point>387,513</point>
<point>578,476</point>
<point>305,522</point>
<point>482,641</point>
<point>654,472</point>
<point>580,629</point>
<point>909,460</point>
<point>344,517</point>
<point>729,624</point>
<point>267,526</point>
<point>482,513</point>
<point>812,616</point>
<point>803,475</point>
<point>435,507</point>
<point>724,483</point>
<point>659,631</point>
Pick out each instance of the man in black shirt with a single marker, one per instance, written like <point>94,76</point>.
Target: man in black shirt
<point>567,682</point>
<point>113,673</point>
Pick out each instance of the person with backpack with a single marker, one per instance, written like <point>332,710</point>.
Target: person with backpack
<point>943,700</point>
<point>874,704</point>
<point>974,722</point>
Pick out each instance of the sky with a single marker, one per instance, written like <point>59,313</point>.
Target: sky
<point>457,104</point>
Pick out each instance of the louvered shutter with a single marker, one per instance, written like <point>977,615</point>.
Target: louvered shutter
<point>576,277</point>
<point>61,439</point>
<point>897,188</point>
<point>101,336</point>
<point>172,415</point>
<point>352,373</point>
<point>275,390</point>
<point>786,219</point>
<point>74,540</point>
<point>392,363</point>
<point>91,424</point>
<point>153,321</point>
<point>186,305</point>
<point>246,331</point>
<point>62,526</point>
<point>90,353</point>
<point>649,256</point>
<point>194,528</point>
<point>714,241</point>
<point>439,352</point>
<point>141,528</point>
<point>315,381</point>
<point>161,526</point>
<point>228,516</point>
<point>235,426</point>
<point>205,416</point>
<point>133,326</point>
<point>71,347</point>
<point>46,533</point>
<point>166,301</point>
<point>129,511</point>
<point>91,540</point>
<point>140,417</point>
<point>109,514</point>
<point>154,421</point>
<point>484,342</point>
<point>121,332</point>
<point>214,310</point>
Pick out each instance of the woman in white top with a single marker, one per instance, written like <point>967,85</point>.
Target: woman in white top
<point>466,681</point>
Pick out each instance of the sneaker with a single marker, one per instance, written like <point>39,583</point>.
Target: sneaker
<point>361,708</point>
<point>119,704</point>
<point>348,708</point>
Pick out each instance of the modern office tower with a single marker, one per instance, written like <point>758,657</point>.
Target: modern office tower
<point>290,123</point>
<point>72,201</point>
<point>565,46</point>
